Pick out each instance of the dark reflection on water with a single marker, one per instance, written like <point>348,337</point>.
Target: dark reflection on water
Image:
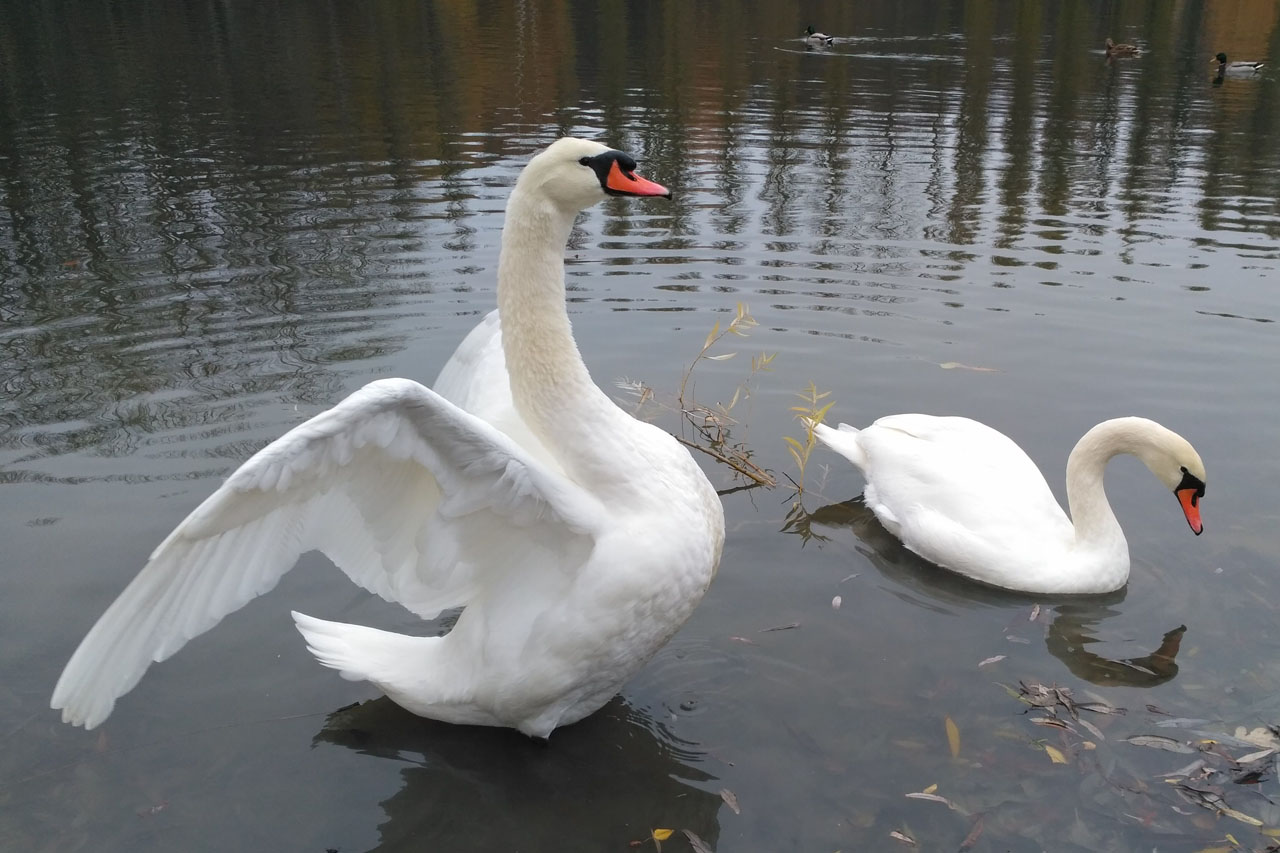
<point>1072,621</point>
<point>217,219</point>
<point>613,776</point>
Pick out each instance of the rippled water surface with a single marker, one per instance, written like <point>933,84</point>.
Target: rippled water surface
<point>218,219</point>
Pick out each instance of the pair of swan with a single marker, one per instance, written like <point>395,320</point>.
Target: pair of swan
<point>577,539</point>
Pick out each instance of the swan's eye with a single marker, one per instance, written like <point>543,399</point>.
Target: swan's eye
<point>586,161</point>
<point>1191,481</point>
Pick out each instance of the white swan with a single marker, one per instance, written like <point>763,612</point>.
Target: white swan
<point>577,538</point>
<point>964,496</point>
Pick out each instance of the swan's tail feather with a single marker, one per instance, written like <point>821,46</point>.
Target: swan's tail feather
<point>843,440</point>
<point>357,652</point>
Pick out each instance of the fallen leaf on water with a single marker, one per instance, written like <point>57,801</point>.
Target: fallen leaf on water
<point>953,737</point>
<point>1226,849</point>
<point>836,602</point>
<point>786,627</point>
<point>1168,744</point>
<point>749,642</point>
<point>1092,729</point>
<point>698,845</point>
<point>1035,613</point>
<point>905,839</point>
<point>1261,736</point>
<point>933,798</point>
<point>662,834</point>
<point>1055,754</point>
<point>730,800</point>
<point>1254,756</point>
<point>992,659</point>
<point>974,834</point>
<point>930,789</point>
<point>1242,817</point>
<point>1049,721</point>
<point>953,365</point>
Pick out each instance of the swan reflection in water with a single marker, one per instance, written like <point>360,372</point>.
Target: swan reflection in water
<point>597,785</point>
<point>1071,630</point>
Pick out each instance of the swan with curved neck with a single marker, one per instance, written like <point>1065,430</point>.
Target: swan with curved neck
<point>966,497</point>
<point>576,539</point>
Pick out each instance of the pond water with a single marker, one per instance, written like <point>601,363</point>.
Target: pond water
<point>217,220</point>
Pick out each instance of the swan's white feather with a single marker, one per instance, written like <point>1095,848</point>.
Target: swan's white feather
<point>370,483</point>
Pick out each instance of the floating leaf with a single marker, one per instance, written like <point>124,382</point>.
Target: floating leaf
<point>1055,754</point>
<point>953,737</point>
<point>722,357</point>
<point>730,800</point>
<point>992,659</point>
<point>933,798</point>
<point>975,832</point>
<point>662,834</point>
<point>905,839</point>
<point>1035,613</point>
<point>1242,817</point>
<point>1254,756</point>
<point>1092,729</point>
<point>930,789</point>
<point>1168,744</point>
<point>698,845</point>
<point>836,602</point>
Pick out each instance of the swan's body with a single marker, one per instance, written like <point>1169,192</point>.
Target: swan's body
<point>1122,50</point>
<point>964,496</point>
<point>577,538</point>
<point>1238,68</point>
<point>818,39</point>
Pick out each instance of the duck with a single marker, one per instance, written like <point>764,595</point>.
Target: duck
<point>816,38</point>
<point>967,498</point>
<point>1122,49</point>
<point>1238,68</point>
<point>576,539</point>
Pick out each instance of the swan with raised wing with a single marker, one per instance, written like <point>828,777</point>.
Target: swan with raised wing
<point>966,497</point>
<point>576,538</point>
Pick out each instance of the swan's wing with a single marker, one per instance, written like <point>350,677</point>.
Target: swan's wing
<point>475,376</point>
<point>415,499</point>
<point>475,379</point>
<point>959,469</point>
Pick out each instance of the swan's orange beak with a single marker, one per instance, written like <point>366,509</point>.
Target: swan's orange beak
<point>629,183</point>
<point>1189,498</point>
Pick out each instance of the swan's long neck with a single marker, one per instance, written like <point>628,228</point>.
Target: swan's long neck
<point>550,384</point>
<point>1095,524</point>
